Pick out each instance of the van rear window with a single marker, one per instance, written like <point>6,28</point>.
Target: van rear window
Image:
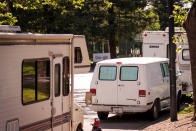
<point>129,73</point>
<point>107,73</point>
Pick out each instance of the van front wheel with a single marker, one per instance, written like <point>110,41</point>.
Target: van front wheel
<point>102,115</point>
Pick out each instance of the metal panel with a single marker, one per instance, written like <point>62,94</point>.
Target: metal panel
<point>12,125</point>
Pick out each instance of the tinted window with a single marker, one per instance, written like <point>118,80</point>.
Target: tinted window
<point>166,69</point>
<point>162,70</point>
<point>185,54</point>
<point>78,55</point>
<point>65,76</point>
<point>129,73</point>
<point>57,80</point>
<point>107,73</point>
<point>35,80</point>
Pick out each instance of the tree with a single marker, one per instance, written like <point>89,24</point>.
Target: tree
<point>125,19</point>
<point>98,20</point>
<point>162,9</point>
<point>190,26</point>
<point>6,16</point>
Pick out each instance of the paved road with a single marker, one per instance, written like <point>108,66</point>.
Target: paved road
<point>114,123</point>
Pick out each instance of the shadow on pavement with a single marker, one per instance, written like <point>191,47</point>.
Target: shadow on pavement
<point>132,122</point>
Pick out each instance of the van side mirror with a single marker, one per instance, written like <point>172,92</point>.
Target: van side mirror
<point>178,73</point>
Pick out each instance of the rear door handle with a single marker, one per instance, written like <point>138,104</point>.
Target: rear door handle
<point>121,85</point>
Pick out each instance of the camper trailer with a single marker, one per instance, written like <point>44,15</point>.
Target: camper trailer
<point>155,44</point>
<point>36,81</point>
<point>130,85</point>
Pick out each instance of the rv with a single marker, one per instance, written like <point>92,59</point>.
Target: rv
<point>155,44</point>
<point>130,85</point>
<point>36,81</point>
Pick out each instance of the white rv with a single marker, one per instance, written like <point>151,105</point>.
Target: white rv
<point>35,72</point>
<point>130,85</point>
<point>155,44</point>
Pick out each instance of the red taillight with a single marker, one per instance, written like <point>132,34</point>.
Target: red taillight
<point>118,62</point>
<point>142,93</point>
<point>93,91</point>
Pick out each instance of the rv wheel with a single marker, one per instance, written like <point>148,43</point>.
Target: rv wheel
<point>154,111</point>
<point>102,115</point>
<point>79,128</point>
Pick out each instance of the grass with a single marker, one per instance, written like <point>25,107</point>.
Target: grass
<point>187,110</point>
<point>29,95</point>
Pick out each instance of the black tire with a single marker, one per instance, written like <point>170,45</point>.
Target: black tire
<point>155,111</point>
<point>178,101</point>
<point>79,128</point>
<point>102,115</point>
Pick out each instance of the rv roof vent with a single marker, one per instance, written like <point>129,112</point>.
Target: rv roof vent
<point>8,28</point>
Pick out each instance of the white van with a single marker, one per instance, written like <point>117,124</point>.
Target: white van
<point>155,44</point>
<point>35,72</point>
<point>130,85</point>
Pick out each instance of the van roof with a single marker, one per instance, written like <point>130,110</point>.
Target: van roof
<point>134,60</point>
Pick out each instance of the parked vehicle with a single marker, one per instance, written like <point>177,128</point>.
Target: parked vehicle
<point>35,75</point>
<point>130,85</point>
<point>155,44</point>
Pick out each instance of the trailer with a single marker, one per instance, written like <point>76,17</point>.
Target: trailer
<point>156,44</point>
<point>37,81</point>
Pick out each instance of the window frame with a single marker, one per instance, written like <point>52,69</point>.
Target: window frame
<point>36,83</point>
<point>59,80</point>
<point>107,66</point>
<point>183,55</point>
<point>65,88</point>
<point>129,66</point>
<point>77,60</point>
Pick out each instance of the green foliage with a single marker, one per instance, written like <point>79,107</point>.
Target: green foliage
<point>98,20</point>
<point>187,110</point>
<point>6,17</point>
<point>161,8</point>
<point>180,12</point>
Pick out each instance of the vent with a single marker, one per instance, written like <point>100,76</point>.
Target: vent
<point>12,125</point>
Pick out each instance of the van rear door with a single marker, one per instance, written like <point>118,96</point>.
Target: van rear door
<point>107,85</point>
<point>128,85</point>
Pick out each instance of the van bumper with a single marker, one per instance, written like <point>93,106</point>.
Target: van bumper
<point>121,109</point>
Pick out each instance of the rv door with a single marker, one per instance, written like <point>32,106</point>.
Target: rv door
<point>57,105</point>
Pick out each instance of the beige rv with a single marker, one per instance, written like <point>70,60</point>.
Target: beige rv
<point>36,72</point>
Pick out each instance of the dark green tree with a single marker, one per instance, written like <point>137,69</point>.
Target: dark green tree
<point>162,9</point>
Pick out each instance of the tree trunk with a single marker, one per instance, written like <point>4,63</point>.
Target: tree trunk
<point>112,40</point>
<point>190,26</point>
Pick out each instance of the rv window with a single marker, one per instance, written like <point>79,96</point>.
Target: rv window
<point>35,80</point>
<point>162,70</point>
<point>185,54</point>
<point>57,80</point>
<point>129,73</point>
<point>166,69</point>
<point>43,80</point>
<point>65,76</point>
<point>107,73</point>
<point>78,55</point>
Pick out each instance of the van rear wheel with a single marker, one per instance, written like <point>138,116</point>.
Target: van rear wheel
<point>154,111</point>
<point>102,115</point>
